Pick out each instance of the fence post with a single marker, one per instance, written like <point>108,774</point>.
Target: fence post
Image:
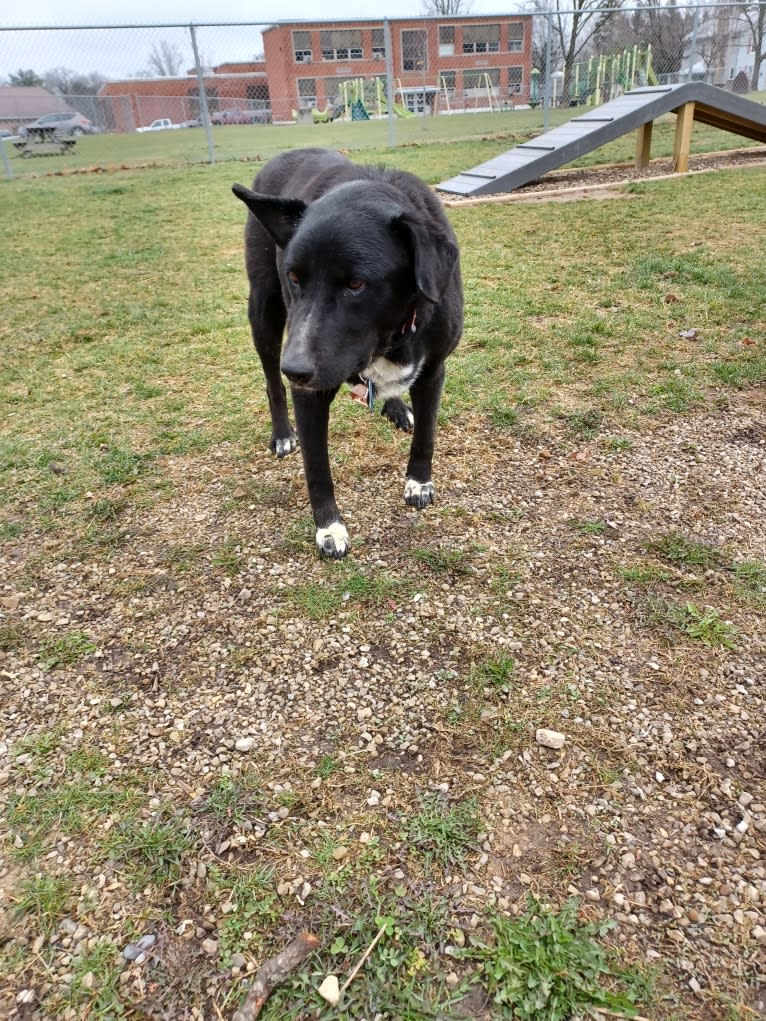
<point>693,43</point>
<point>389,82</point>
<point>6,161</point>
<point>548,47</point>
<point>205,113</point>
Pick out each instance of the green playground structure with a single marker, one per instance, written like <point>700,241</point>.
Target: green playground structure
<point>362,98</point>
<point>603,78</point>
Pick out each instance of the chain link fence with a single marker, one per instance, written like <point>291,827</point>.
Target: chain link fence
<point>367,83</point>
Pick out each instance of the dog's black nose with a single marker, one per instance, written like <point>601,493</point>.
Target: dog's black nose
<point>297,369</point>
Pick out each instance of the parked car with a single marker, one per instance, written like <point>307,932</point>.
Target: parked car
<point>235,116</point>
<point>161,124</point>
<point>51,124</point>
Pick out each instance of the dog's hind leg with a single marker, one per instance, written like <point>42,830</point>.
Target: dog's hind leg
<point>426,395</point>
<point>267,321</point>
<point>396,411</point>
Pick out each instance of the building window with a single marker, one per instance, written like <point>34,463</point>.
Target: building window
<point>378,44</point>
<point>414,51</point>
<point>302,47</point>
<point>448,80</point>
<point>515,37</point>
<point>515,80</point>
<point>481,39</point>
<point>446,40</point>
<point>479,83</point>
<point>341,44</point>
<point>307,93</point>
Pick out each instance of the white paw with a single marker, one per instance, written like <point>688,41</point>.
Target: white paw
<point>419,494</point>
<point>283,447</point>
<point>333,541</point>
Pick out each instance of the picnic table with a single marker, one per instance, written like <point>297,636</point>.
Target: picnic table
<point>44,142</point>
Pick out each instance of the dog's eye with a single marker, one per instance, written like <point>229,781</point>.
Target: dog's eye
<point>355,286</point>
<point>293,277</point>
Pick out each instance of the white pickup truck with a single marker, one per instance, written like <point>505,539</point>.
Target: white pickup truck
<point>162,124</point>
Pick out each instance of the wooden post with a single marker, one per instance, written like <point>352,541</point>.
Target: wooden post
<point>684,120</point>
<point>643,145</point>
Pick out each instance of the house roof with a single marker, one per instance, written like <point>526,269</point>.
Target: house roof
<point>27,102</point>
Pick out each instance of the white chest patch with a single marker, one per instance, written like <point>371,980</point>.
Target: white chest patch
<point>390,379</point>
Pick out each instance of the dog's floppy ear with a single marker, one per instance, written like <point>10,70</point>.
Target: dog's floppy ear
<point>434,256</point>
<point>279,216</point>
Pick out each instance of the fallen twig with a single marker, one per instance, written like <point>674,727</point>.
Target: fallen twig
<point>362,959</point>
<point>273,973</point>
<point>614,1013</point>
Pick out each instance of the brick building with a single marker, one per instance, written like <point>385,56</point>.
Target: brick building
<point>440,65</point>
<point>138,101</point>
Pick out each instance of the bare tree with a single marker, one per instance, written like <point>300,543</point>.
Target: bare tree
<point>65,82</point>
<point>165,60</point>
<point>663,26</point>
<point>573,25</point>
<point>446,8</point>
<point>754,16</point>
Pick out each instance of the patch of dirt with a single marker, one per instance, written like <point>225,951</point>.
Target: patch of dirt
<point>653,812</point>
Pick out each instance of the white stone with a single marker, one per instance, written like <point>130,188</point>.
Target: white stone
<point>330,990</point>
<point>550,738</point>
<point>244,744</point>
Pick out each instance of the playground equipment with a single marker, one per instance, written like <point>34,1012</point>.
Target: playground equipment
<point>485,86</point>
<point>605,77</point>
<point>634,111</point>
<point>359,96</point>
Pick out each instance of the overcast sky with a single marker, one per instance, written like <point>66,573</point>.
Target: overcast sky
<point>117,54</point>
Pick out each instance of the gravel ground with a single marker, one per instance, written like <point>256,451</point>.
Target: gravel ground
<point>654,810</point>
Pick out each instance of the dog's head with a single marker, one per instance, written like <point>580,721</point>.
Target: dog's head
<point>353,265</point>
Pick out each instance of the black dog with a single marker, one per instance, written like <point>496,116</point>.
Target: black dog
<point>362,265</point>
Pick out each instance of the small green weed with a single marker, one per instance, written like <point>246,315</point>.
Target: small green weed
<point>496,672</point>
<point>151,851</point>
<point>66,650</point>
<point>685,552</point>
<point>587,527</point>
<point>444,561</point>
<point>645,574</point>
<point>229,558</point>
<point>250,907</point>
<point>445,833</point>
<point>326,766</point>
<point>707,627</point>
<point>586,423</point>
<point>345,585</point>
<point>46,899</point>
<point>11,636</point>
<point>750,580</point>
<point>704,626</point>
<point>547,966</point>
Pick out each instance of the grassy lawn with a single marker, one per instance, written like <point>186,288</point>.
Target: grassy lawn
<point>131,481</point>
<point>472,139</point>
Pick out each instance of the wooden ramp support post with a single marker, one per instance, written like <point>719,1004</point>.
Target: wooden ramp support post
<point>644,145</point>
<point>684,120</point>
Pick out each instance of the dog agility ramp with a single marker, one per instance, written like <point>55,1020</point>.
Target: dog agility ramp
<point>601,124</point>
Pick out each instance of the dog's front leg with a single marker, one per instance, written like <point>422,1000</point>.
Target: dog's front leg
<point>312,416</point>
<point>425,394</point>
